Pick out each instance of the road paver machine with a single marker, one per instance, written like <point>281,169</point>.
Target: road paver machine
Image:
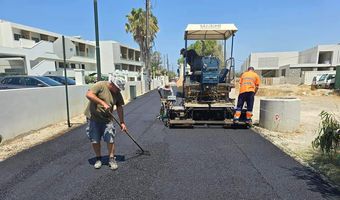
<point>207,85</point>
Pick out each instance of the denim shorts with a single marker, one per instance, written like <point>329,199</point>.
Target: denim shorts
<point>96,130</point>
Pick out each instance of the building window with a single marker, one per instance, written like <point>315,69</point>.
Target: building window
<point>131,79</point>
<point>118,67</point>
<point>17,36</point>
<point>283,72</point>
<point>25,34</point>
<point>82,66</point>
<point>325,57</point>
<point>137,56</point>
<point>130,54</point>
<point>44,37</point>
<point>123,52</point>
<point>61,65</point>
<point>36,39</point>
<point>131,68</point>
<point>138,68</point>
<point>73,66</point>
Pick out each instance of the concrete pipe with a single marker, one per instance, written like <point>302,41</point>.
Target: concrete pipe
<point>281,114</point>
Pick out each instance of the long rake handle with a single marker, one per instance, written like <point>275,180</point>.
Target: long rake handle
<point>130,136</point>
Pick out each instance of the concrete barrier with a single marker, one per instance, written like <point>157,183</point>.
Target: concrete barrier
<point>24,110</point>
<point>280,114</point>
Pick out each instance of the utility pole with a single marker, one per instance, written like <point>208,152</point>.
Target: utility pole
<point>99,74</point>
<point>147,39</point>
<point>164,59</point>
<point>167,62</point>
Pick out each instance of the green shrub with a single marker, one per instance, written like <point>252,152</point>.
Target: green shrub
<point>329,136</point>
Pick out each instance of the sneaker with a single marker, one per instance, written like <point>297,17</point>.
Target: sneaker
<point>113,164</point>
<point>98,164</point>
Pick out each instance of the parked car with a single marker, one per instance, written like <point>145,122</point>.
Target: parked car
<point>17,82</point>
<point>326,81</point>
<point>330,82</point>
<point>61,79</point>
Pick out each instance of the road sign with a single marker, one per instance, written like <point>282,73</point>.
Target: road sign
<point>70,48</point>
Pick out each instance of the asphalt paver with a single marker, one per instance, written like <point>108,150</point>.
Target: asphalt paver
<point>198,163</point>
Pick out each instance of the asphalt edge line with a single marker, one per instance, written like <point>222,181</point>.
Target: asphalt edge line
<point>296,157</point>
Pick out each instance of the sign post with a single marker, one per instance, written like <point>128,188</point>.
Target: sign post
<point>64,48</point>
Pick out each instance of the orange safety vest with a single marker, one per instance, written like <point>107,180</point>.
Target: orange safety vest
<point>249,81</point>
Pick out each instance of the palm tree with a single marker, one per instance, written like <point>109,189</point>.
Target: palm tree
<point>136,25</point>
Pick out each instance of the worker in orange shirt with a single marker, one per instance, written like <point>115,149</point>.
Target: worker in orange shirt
<point>249,84</point>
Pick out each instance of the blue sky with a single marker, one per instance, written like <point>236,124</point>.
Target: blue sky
<point>264,25</point>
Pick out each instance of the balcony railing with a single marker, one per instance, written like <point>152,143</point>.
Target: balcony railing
<point>84,54</point>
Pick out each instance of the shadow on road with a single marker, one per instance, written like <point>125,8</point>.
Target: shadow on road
<point>315,182</point>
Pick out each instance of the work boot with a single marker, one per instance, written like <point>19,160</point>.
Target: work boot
<point>249,122</point>
<point>236,120</point>
<point>113,164</point>
<point>98,164</point>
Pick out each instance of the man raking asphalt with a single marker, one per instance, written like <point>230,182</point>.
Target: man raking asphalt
<point>103,96</point>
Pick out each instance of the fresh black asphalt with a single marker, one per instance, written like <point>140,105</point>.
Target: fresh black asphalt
<point>199,163</point>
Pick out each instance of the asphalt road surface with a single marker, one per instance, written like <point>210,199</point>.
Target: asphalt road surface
<point>200,163</point>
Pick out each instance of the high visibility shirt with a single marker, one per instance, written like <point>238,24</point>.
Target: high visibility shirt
<point>249,81</point>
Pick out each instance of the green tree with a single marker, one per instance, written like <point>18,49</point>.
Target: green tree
<point>206,48</point>
<point>136,25</point>
<point>156,62</point>
<point>171,74</point>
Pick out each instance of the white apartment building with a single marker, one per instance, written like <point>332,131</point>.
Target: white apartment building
<point>294,65</point>
<point>120,59</point>
<point>28,50</point>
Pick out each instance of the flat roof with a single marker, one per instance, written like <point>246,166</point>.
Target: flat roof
<point>48,33</point>
<point>209,31</point>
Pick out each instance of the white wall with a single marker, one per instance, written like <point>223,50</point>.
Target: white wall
<point>126,92</point>
<point>284,58</point>
<point>6,34</point>
<point>24,110</point>
<point>309,56</point>
<point>107,61</point>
